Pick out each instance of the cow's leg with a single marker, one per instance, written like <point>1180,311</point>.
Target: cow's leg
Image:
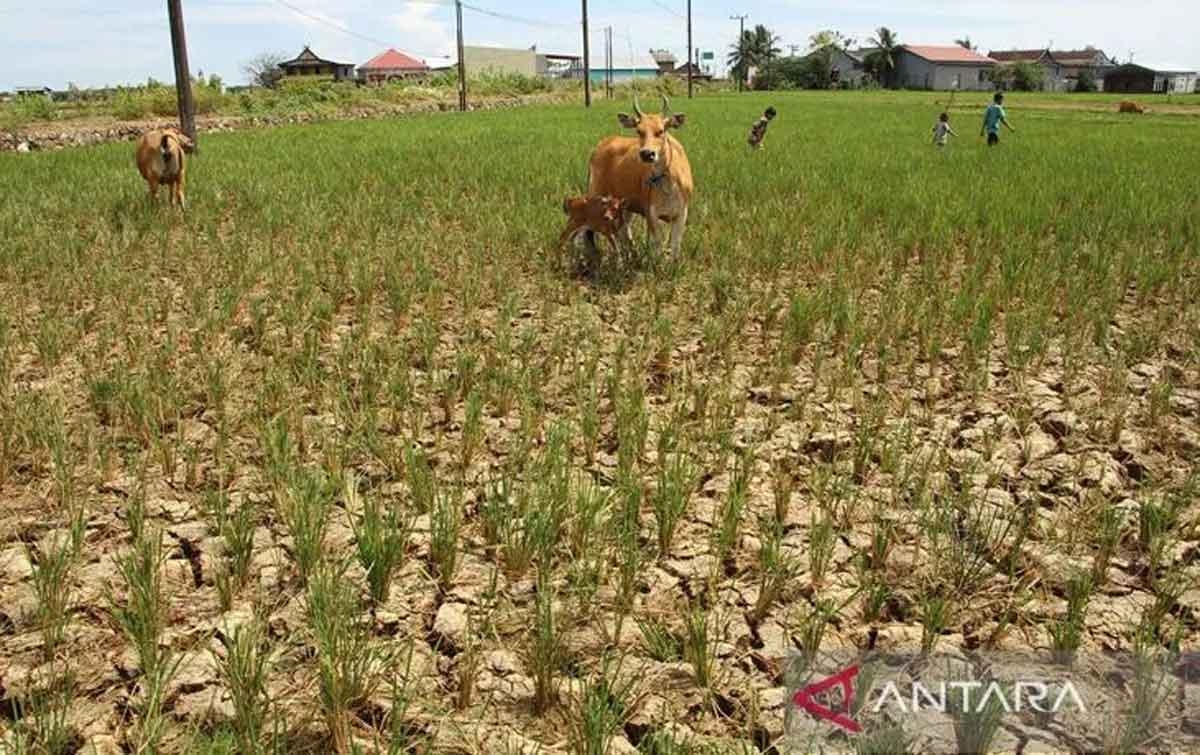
<point>652,231</point>
<point>678,226</point>
<point>153,183</point>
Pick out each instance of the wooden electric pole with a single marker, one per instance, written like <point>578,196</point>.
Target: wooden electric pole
<point>462,63</point>
<point>183,77</point>
<point>587,62</point>
<point>689,47</point>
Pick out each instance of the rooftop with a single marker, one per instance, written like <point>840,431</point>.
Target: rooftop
<point>948,54</point>
<point>392,60</point>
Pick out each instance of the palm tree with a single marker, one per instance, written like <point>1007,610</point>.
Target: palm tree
<point>965,42</point>
<point>883,60</point>
<point>755,49</point>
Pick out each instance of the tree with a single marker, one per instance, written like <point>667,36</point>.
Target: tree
<point>882,62</point>
<point>1086,81</point>
<point>263,69</point>
<point>755,49</point>
<point>966,43</point>
<point>1021,77</point>
<point>818,64</point>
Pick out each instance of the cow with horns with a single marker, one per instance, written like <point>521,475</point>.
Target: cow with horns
<point>650,172</point>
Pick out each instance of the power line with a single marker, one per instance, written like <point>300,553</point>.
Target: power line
<point>518,19</point>
<point>674,13</point>
<point>348,31</point>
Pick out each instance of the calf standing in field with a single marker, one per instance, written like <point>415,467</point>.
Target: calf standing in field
<point>603,215</point>
<point>650,172</point>
<point>160,159</point>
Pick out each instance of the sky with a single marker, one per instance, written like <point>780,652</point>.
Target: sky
<point>53,42</point>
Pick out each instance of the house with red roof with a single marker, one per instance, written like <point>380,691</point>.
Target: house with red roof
<point>942,67</point>
<point>391,65</point>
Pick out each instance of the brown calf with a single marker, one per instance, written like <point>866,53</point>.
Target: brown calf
<point>650,172</point>
<point>1130,107</point>
<point>160,160</point>
<point>606,216</point>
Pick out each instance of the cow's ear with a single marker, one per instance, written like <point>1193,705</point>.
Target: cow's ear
<point>677,120</point>
<point>627,120</point>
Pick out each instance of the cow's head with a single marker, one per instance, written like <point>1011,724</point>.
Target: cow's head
<point>652,129</point>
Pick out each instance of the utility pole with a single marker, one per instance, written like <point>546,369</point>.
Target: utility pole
<point>608,61</point>
<point>462,63</point>
<point>689,48</point>
<point>587,63</point>
<point>183,77</point>
<point>741,33</point>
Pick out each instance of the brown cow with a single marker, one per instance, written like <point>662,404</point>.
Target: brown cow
<point>1130,107</point>
<point>650,171</point>
<point>160,160</point>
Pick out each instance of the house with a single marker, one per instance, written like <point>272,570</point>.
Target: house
<point>626,67</point>
<point>522,62</point>
<point>1148,79</point>
<point>666,60</point>
<point>1072,63</point>
<point>698,74</point>
<point>307,63</point>
<point>942,67</point>
<point>392,65</point>
<point>1052,78</point>
<point>46,92</point>
<point>848,68</point>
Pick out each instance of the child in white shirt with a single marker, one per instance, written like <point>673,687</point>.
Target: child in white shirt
<point>942,130</point>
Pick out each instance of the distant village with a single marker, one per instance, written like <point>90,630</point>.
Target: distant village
<point>917,67</point>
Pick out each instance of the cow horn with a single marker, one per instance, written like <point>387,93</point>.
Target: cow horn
<point>666,106</point>
<point>637,109</point>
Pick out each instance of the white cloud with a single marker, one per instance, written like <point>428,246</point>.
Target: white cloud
<point>422,33</point>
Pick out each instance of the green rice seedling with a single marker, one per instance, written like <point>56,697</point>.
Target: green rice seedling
<point>381,537</point>
<point>305,507</point>
<point>445,524</point>
<point>699,647</point>
<point>778,568</point>
<point>628,557</point>
<point>590,506</point>
<point>876,592</point>
<point>883,537</point>
<point>936,611</point>
<point>472,428</point>
<point>142,617</point>
<point>810,629</point>
<point>402,736</point>
<point>142,614</point>
<point>52,585</point>
<point>544,650</point>
<point>421,481</point>
<point>976,723</point>
<point>244,669</point>
<point>1067,633</point>
<point>605,705</point>
<point>350,664</point>
<point>821,541</point>
<point>727,534</point>
<point>676,480</point>
<point>41,718</point>
<point>782,484</point>
<point>662,643</point>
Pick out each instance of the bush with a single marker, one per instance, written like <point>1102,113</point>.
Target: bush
<point>1086,82</point>
<point>1019,77</point>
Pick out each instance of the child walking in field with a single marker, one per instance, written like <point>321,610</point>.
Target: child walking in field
<point>942,131</point>
<point>758,131</point>
<point>992,118</point>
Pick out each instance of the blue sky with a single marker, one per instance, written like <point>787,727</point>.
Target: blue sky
<point>53,42</point>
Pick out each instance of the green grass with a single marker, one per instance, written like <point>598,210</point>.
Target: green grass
<point>943,355</point>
